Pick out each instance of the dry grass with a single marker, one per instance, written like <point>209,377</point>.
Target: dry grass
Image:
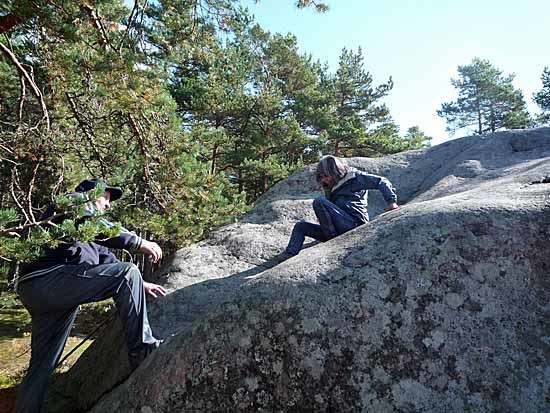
<point>15,339</point>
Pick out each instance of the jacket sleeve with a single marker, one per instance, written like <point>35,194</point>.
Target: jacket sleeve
<point>368,181</point>
<point>125,240</point>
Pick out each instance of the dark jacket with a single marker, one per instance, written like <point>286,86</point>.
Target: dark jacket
<point>92,253</point>
<point>351,193</point>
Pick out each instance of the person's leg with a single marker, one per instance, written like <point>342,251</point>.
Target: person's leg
<point>333,220</point>
<point>49,335</point>
<point>123,282</point>
<point>52,300</point>
<point>299,232</point>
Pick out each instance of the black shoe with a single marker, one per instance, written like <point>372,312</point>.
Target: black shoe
<point>277,259</point>
<point>135,358</point>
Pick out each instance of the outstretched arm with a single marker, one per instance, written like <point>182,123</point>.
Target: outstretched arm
<point>369,181</point>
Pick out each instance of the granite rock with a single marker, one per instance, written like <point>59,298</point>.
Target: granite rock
<point>442,305</point>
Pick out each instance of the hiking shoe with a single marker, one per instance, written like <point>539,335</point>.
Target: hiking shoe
<point>277,259</point>
<point>135,358</point>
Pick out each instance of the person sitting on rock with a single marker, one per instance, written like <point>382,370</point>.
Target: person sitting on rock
<point>345,205</point>
<point>52,288</point>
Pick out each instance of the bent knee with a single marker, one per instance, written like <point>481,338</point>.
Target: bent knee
<point>130,269</point>
<point>130,266</point>
<point>300,225</point>
<point>319,201</point>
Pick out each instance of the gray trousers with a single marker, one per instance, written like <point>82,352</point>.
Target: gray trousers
<point>52,300</point>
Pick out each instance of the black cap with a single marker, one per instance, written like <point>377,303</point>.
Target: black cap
<point>89,184</point>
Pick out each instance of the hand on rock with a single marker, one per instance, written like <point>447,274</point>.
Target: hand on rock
<point>154,290</point>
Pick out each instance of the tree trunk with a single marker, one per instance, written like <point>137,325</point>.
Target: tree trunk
<point>493,122</point>
<point>265,184</point>
<point>240,179</point>
<point>480,125</point>
<point>214,157</point>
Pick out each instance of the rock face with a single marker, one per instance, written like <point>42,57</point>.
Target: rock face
<point>440,306</point>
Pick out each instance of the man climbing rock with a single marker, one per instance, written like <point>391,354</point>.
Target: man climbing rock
<point>52,288</point>
<point>345,205</point>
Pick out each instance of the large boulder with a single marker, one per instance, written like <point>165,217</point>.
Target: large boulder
<point>442,305</point>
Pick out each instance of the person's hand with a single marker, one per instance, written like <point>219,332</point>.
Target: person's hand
<point>152,249</point>
<point>154,290</point>
<point>391,206</point>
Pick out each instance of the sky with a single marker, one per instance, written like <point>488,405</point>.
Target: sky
<point>420,44</point>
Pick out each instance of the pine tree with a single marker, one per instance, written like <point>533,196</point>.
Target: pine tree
<point>487,100</point>
<point>542,97</point>
<point>243,106</point>
<point>416,138</point>
<point>353,105</point>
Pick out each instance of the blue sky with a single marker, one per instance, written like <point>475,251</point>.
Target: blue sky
<point>420,43</point>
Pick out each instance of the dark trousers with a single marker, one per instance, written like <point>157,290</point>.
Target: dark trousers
<point>333,221</point>
<point>53,299</point>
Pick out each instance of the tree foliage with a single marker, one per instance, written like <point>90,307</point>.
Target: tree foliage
<point>191,107</point>
<point>242,103</point>
<point>65,225</point>
<point>487,100</point>
<point>351,103</point>
<point>88,96</point>
<point>542,97</point>
<point>320,6</point>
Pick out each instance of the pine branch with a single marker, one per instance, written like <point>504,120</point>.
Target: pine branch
<point>98,24</point>
<point>146,171</point>
<point>14,197</point>
<point>29,192</point>
<point>21,99</point>
<point>7,149</point>
<point>88,132</point>
<point>31,82</point>
<point>133,15</point>
<point>14,231</point>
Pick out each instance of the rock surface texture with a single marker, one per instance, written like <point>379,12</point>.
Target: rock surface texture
<point>440,306</point>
